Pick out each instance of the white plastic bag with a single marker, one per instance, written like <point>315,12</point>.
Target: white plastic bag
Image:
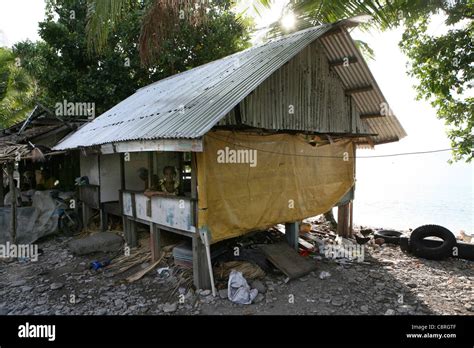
<point>238,290</point>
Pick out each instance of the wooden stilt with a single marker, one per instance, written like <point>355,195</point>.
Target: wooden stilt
<point>292,234</point>
<point>13,222</point>
<point>2,193</point>
<point>200,268</point>
<point>343,220</point>
<point>155,242</point>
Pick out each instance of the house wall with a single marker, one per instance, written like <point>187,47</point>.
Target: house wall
<point>304,94</point>
<point>109,178</point>
<point>90,168</point>
<point>137,161</point>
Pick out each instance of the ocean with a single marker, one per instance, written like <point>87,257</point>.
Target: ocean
<point>408,192</point>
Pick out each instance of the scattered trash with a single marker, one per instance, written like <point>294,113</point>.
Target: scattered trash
<point>324,275</point>
<point>163,272</point>
<point>96,265</point>
<point>464,237</point>
<point>238,289</point>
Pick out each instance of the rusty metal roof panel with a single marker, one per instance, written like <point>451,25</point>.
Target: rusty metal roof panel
<point>339,45</point>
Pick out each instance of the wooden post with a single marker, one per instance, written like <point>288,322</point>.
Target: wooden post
<point>200,268</point>
<point>201,274</point>
<point>2,193</point>
<point>292,234</point>
<point>343,212</point>
<point>86,215</point>
<point>13,222</point>
<point>103,218</point>
<point>155,242</point>
<point>351,221</point>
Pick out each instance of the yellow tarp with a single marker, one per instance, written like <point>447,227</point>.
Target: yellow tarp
<point>285,180</point>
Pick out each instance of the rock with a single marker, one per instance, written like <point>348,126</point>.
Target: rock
<point>223,294</point>
<point>170,307</point>
<point>119,303</point>
<point>469,307</point>
<point>257,284</point>
<point>56,286</point>
<point>337,301</point>
<point>364,308</point>
<point>17,283</point>
<point>205,292</point>
<point>260,297</point>
<point>102,241</point>
<point>390,312</point>
<point>412,285</point>
<point>26,288</point>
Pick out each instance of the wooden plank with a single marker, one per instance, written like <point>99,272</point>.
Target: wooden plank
<point>371,115</point>
<point>359,89</point>
<point>345,60</point>
<point>287,260</point>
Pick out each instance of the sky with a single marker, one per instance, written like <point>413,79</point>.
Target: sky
<point>19,18</point>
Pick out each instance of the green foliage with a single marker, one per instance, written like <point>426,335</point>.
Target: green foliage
<point>64,70</point>
<point>16,89</point>
<point>443,66</point>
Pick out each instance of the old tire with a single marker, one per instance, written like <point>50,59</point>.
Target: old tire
<point>71,226</point>
<point>421,249</point>
<point>389,236</point>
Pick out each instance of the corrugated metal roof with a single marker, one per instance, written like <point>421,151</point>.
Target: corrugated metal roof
<point>189,104</point>
<point>339,45</point>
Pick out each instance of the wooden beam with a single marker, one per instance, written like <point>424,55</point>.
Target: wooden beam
<point>371,115</point>
<point>360,89</point>
<point>174,145</point>
<point>342,61</point>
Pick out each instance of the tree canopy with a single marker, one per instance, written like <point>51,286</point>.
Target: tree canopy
<point>17,90</point>
<point>64,69</point>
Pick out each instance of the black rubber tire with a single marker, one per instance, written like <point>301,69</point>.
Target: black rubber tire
<point>389,236</point>
<point>68,228</point>
<point>421,249</point>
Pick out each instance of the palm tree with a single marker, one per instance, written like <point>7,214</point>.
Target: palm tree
<point>16,89</point>
<point>162,17</point>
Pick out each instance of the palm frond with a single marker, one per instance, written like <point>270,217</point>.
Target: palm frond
<point>102,16</point>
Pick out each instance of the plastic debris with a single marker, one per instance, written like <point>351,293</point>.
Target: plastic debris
<point>324,275</point>
<point>238,289</point>
<point>163,272</point>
